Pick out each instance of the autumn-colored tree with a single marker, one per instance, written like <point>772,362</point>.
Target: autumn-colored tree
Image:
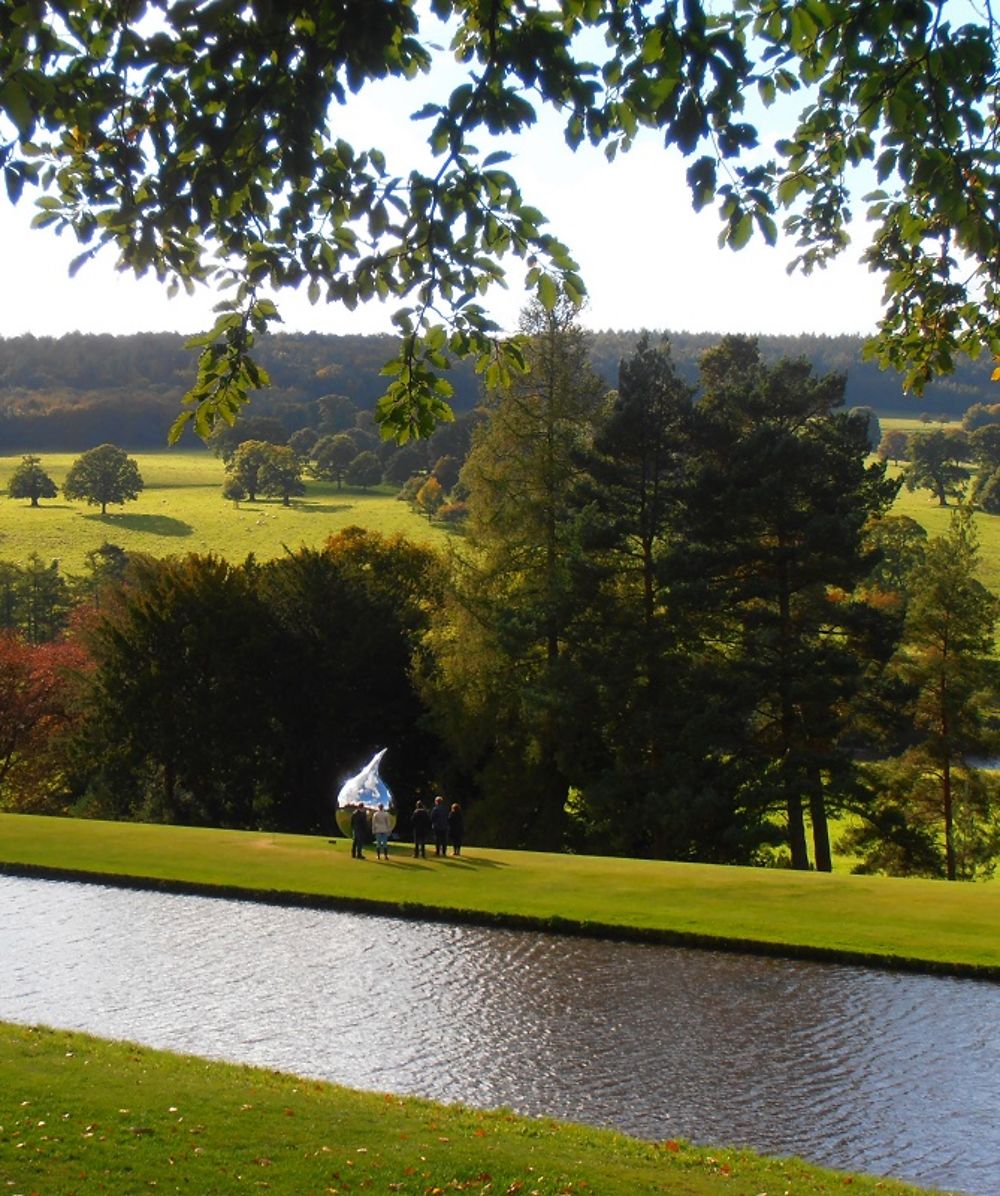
<point>36,709</point>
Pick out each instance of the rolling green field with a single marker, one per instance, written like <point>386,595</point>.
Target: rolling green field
<point>182,510</point>
<point>79,1116</point>
<point>926,924</point>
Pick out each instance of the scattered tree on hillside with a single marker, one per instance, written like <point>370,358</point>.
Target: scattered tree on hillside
<point>894,445</point>
<point>446,471</point>
<point>102,475</point>
<point>135,129</point>
<point>246,463</point>
<point>337,413</point>
<point>233,490</point>
<point>304,441</point>
<point>936,464</point>
<point>29,480</point>
<point>331,456</point>
<point>226,438</point>
<point>871,421</point>
<point>984,445</point>
<point>280,474</point>
<point>979,415</point>
<point>364,471</point>
<point>430,497</point>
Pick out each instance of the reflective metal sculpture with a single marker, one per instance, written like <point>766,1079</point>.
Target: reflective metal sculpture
<point>368,788</point>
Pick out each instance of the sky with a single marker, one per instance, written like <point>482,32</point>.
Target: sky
<point>647,259</point>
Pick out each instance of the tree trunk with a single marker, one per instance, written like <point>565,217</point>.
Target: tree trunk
<point>949,822</point>
<point>821,829</point>
<point>797,833</point>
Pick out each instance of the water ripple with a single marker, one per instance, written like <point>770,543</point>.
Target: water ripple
<point>853,1068</point>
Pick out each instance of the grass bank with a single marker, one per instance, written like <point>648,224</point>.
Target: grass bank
<point>916,924</point>
<point>81,1116</point>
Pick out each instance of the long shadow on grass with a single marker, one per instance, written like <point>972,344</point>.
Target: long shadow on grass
<point>152,525</point>
<point>323,508</point>
<point>431,862</point>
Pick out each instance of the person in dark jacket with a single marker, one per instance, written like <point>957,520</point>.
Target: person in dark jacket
<point>456,828</point>
<point>439,825</point>
<point>359,832</point>
<point>421,825</point>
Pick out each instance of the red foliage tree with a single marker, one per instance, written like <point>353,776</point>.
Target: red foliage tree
<point>35,709</point>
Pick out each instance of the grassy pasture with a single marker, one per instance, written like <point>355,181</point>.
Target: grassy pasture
<point>182,510</point>
<point>81,1116</point>
<point>927,924</point>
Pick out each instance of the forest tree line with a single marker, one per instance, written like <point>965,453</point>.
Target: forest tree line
<point>681,622</point>
<point>75,391</point>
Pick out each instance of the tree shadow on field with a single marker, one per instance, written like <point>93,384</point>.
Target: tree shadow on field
<point>323,508</point>
<point>152,525</point>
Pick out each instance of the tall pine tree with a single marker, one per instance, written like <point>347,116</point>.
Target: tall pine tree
<point>515,585</point>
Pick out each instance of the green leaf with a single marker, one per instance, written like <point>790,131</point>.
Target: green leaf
<point>548,292</point>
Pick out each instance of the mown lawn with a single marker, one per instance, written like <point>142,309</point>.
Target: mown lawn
<point>81,1116</point>
<point>181,510</point>
<point>931,924</point>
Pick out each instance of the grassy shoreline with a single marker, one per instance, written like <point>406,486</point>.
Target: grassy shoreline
<point>81,1116</point>
<point>916,925</point>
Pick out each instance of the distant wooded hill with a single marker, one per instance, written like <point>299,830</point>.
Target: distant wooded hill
<point>75,391</point>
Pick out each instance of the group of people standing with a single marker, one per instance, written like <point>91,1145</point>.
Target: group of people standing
<point>443,823</point>
<point>446,826</point>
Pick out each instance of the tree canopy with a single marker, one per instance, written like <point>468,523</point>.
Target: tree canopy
<point>102,475</point>
<point>31,481</point>
<point>199,141</point>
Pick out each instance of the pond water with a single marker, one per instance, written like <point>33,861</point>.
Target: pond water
<point>849,1067</point>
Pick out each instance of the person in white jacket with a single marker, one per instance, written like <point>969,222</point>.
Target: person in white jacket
<point>381,826</point>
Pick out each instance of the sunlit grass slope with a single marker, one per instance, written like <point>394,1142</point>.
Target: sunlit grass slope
<point>181,510</point>
<point>81,1116</point>
<point>924,923</point>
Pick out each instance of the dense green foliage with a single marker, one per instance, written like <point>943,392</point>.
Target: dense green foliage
<point>75,391</point>
<point>675,621</point>
<point>239,695</point>
<point>200,142</point>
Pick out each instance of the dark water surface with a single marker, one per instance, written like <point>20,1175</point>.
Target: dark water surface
<point>854,1068</point>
